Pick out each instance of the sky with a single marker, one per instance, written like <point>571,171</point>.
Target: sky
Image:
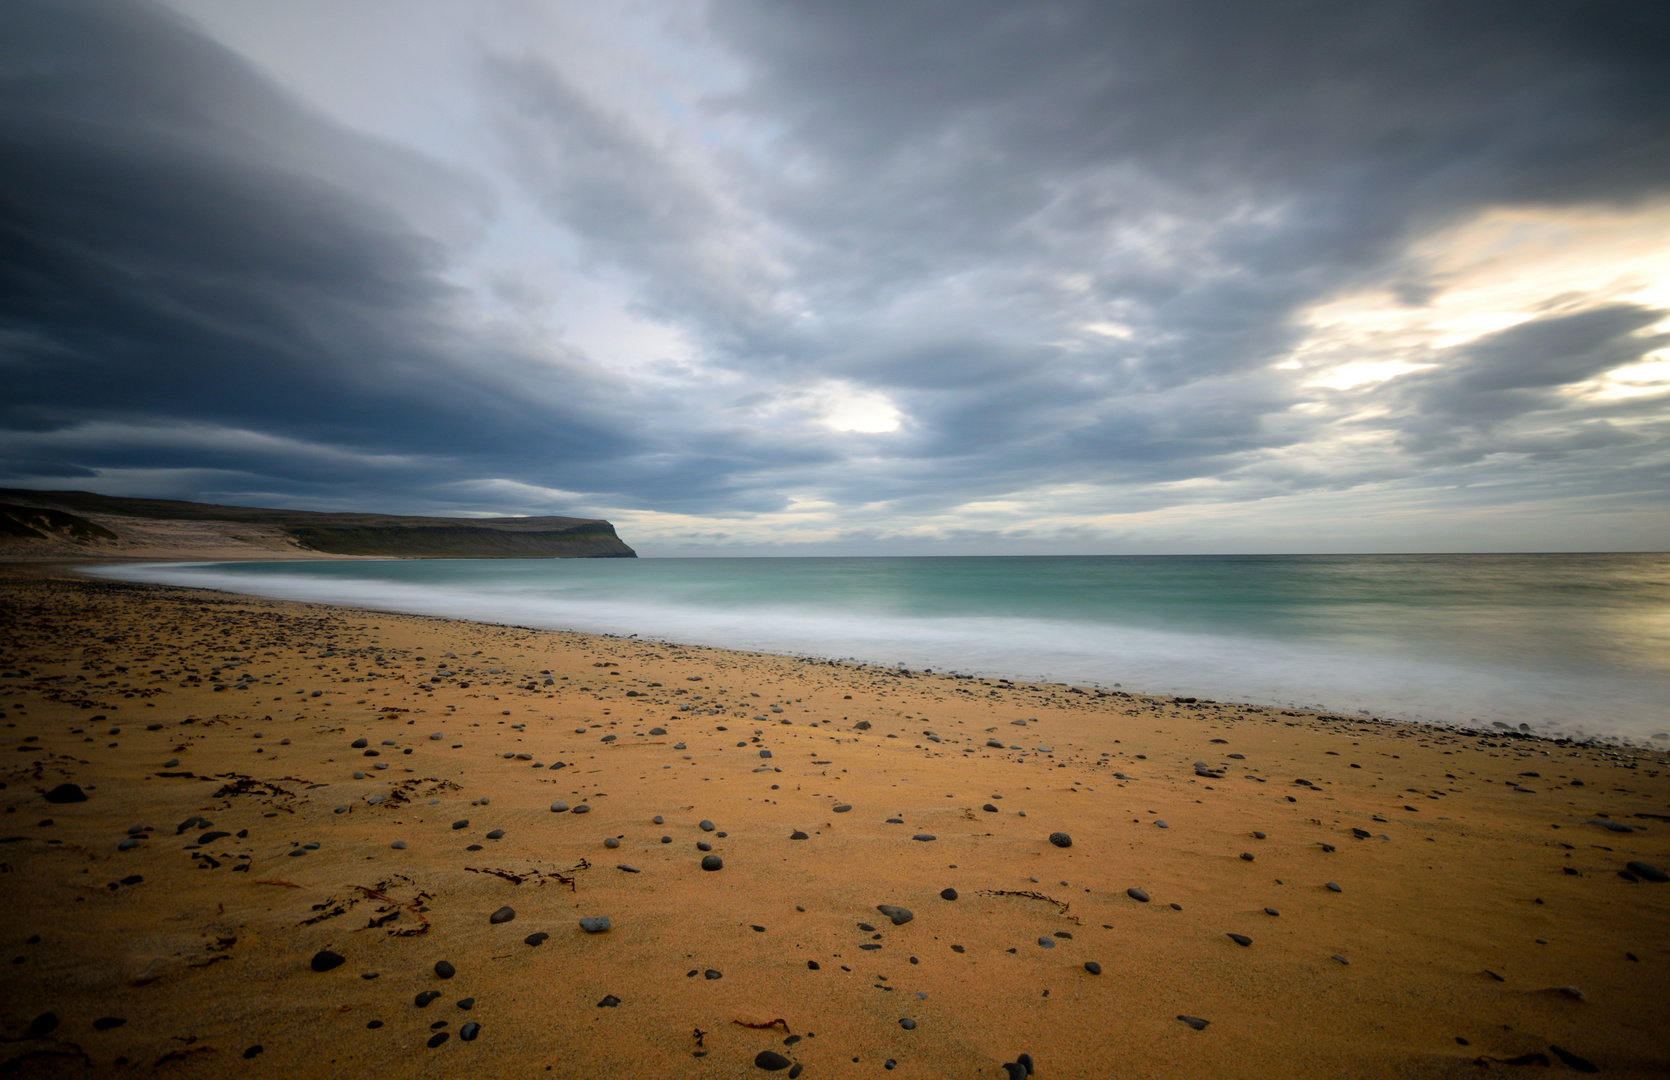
<point>841,277</point>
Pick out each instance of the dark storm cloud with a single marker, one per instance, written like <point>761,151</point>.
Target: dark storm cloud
<point>183,248</point>
<point>1067,240</point>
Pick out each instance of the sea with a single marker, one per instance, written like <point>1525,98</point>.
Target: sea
<point>1560,645</point>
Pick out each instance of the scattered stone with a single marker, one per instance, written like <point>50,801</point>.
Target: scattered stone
<point>1247,856</point>
<point>558,807</point>
<point>42,1026</point>
<point>469,1031</point>
<point>712,862</point>
<point>324,960</point>
<point>924,837</point>
<point>66,793</point>
<point>1258,836</point>
<point>948,894</point>
<point>1061,839</point>
<point>1241,939</point>
<point>899,915</point>
<point>907,1023</point>
<point>1271,911</point>
<point>1573,1061</point>
<point>706,826</point>
<point>989,808</point>
<point>398,845</point>
<point>843,808</point>
<point>581,809</point>
<point>596,924</point>
<point>1161,825</point>
<point>1194,1021</point>
<point>437,1039</point>
<point>611,842</point>
<point>1093,967</point>
<point>536,939</point>
<point>106,1023</point>
<point>444,969</point>
<point>1651,873</point>
<point>1046,943</point>
<point>1333,887</point>
<point>710,974</point>
<point>496,834</point>
<point>359,744</point>
<point>798,835</point>
<point>422,1000</point>
<point>771,1061</point>
<point>503,915</point>
<point>666,839</point>
<point>657,819</point>
<point>254,1051</point>
<point>466,1003</point>
<point>461,823</point>
<point>623,868</point>
<point>1612,825</point>
<point>1341,959</point>
<point>1137,894</point>
<point>1361,834</point>
<point>703,845</point>
<point>609,1001</point>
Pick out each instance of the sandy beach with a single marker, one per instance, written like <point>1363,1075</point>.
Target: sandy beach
<point>333,842</point>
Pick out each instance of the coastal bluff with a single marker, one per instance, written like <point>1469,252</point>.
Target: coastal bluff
<point>80,524</point>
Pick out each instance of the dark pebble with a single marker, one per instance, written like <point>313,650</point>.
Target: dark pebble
<point>41,1026</point>
<point>899,915</point>
<point>254,1051</point>
<point>609,1001</point>
<point>105,1023</point>
<point>581,809</point>
<point>843,808</point>
<point>1340,959</point>
<point>1247,856</point>
<point>1651,873</point>
<point>989,808</point>
<point>536,939</point>
<point>1093,967</point>
<point>710,974</point>
<point>444,969</point>
<point>1194,1021</point>
<point>666,839</point>
<point>908,1024</point>
<point>503,915</point>
<point>1258,836</point>
<point>1574,1061</point>
<point>811,965</point>
<point>1046,943</point>
<point>948,894</point>
<point>324,960</point>
<point>211,837</point>
<point>623,868</point>
<point>1137,894</point>
<point>423,999</point>
<point>611,842</point>
<point>798,835</point>
<point>466,1004</point>
<point>374,1025</point>
<point>795,1072</point>
<point>1241,939</point>
<point>1015,1069</point>
<point>1271,911</point>
<point>469,1031</point>
<point>1061,839</point>
<point>705,826</point>
<point>703,845</point>
<point>771,1061</point>
<point>461,823</point>
<point>496,834</point>
<point>924,836</point>
<point>437,1039</point>
<point>66,793</point>
<point>597,924</point>
<point>359,744</point>
<point>1361,834</point>
<point>559,807</point>
<point>712,862</point>
<point>1333,887</point>
<point>1025,1062</point>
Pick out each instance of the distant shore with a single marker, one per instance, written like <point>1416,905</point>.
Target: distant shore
<point>1480,914</point>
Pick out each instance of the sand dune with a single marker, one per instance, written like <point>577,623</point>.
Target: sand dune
<point>1413,902</point>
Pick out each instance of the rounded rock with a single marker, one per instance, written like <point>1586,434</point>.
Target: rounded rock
<point>771,1061</point>
<point>1137,894</point>
<point>611,842</point>
<point>1093,967</point>
<point>595,924</point>
<point>445,969</point>
<point>948,894</point>
<point>558,807</point>
<point>712,862</point>
<point>706,826</point>
<point>503,915</point>
<point>1061,839</point>
<point>908,1024</point>
<point>469,1031</point>
<point>1648,872</point>
<point>325,960</point>
<point>461,823</point>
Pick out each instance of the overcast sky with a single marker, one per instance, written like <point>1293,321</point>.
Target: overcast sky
<point>847,277</point>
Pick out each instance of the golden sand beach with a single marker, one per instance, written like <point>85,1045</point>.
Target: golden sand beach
<point>286,817</point>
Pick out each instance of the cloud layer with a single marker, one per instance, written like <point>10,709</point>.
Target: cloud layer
<point>852,277</point>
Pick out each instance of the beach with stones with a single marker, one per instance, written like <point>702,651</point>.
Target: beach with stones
<point>247,835</point>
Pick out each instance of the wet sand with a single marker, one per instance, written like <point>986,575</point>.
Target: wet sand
<point>1477,912</point>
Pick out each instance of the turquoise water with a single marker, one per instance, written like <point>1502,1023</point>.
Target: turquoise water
<point>1566,644</point>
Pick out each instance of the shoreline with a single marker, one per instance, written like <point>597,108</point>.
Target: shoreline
<point>1462,877</point>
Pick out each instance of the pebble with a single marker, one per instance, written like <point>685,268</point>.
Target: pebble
<point>908,1024</point>
<point>1651,873</point>
<point>948,894</point>
<point>1247,856</point>
<point>503,915</point>
<point>437,1039</point>
<point>422,1000</point>
<point>496,834</point>
<point>398,845</point>
<point>1241,939</point>
<point>712,862</point>
<point>798,835</point>
<point>989,808</point>
<point>324,960</point>
<point>1061,839</point>
<point>444,969</point>
<point>703,845</point>
<point>128,845</point>
<point>1333,887</point>
<point>609,1001</point>
<point>66,793</point>
<point>461,823</point>
<point>923,836</point>
<point>666,839</point>
<point>1271,911</point>
<point>1194,1021</point>
<point>710,974</point>
<point>659,820</point>
<point>843,808</point>
<point>1258,836</point>
<point>558,807</point>
<point>1161,825</point>
<point>469,1031</point>
<point>466,1004</point>
<point>105,1023</point>
<point>581,809</point>
<point>536,939</point>
<point>1093,967</point>
<point>771,1061</point>
<point>254,1051</point>
<point>41,1026</point>
<point>359,744</point>
<point>596,924</point>
<point>706,826</point>
<point>1340,958</point>
<point>611,842</point>
<point>899,915</point>
<point>1046,943</point>
<point>1137,894</point>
